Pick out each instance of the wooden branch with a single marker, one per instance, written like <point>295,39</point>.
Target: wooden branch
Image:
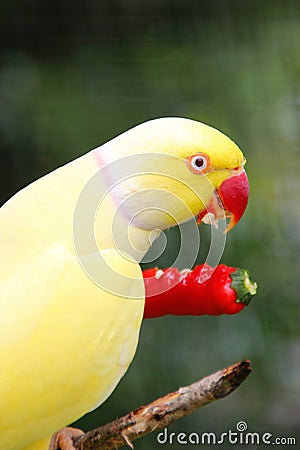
<point>165,410</point>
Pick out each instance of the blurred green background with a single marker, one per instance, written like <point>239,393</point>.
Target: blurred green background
<point>74,74</point>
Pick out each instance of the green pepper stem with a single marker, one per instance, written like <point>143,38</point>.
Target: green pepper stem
<point>243,286</point>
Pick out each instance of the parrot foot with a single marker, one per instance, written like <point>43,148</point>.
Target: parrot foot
<point>63,439</point>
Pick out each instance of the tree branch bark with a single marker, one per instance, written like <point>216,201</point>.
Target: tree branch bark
<point>165,410</point>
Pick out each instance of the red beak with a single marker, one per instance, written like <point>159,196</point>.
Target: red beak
<point>234,193</point>
<point>229,200</point>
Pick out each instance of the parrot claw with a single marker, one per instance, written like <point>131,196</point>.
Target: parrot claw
<point>63,439</point>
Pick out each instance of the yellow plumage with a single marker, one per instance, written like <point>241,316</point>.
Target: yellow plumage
<point>65,352</point>
<point>65,341</point>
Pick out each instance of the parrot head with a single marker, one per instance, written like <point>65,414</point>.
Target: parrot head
<point>168,170</point>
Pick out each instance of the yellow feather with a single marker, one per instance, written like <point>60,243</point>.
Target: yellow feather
<point>43,444</point>
<point>66,338</point>
<point>66,343</point>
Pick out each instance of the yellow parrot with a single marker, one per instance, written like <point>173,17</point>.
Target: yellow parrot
<point>72,291</point>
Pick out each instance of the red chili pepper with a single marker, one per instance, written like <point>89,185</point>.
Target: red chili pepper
<point>226,290</point>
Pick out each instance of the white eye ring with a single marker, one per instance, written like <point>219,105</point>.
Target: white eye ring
<point>198,163</point>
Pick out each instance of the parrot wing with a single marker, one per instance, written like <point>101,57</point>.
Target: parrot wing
<point>65,342</point>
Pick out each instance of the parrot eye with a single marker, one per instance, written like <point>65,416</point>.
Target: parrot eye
<point>198,163</point>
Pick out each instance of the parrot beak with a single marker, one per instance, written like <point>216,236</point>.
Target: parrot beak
<point>229,200</point>
<point>234,193</point>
